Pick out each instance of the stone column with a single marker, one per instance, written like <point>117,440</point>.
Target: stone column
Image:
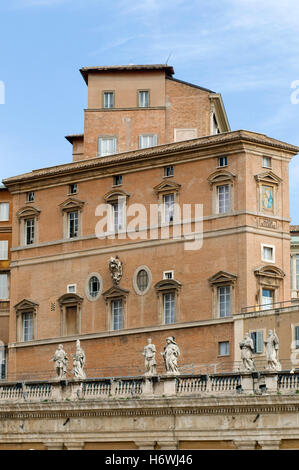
<point>270,444</point>
<point>74,445</point>
<point>245,444</point>
<point>168,445</point>
<point>145,445</point>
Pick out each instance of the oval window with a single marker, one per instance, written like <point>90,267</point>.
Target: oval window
<point>94,286</point>
<point>142,280</point>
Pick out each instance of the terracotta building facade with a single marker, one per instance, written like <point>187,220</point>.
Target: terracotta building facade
<point>150,141</point>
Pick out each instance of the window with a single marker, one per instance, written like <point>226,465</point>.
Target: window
<point>94,286</point>
<point>215,127</point>
<point>168,202</point>
<point>169,308</point>
<point>168,275</point>
<point>71,288</point>
<point>108,98</point>
<point>117,314</point>
<point>296,330</point>
<point>73,188</point>
<point>222,161</point>
<point>29,231</point>
<point>268,253</point>
<point>147,140</point>
<point>4,287</point>
<point>168,171</point>
<point>117,180</point>
<point>27,326</point>
<point>223,348</point>
<point>224,301</point>
<point>223,199</point>
<point>3,249</point>
<point>70,311</point>
<point>4,211</point>
<point>118,216</point>
<point>266,162</point>
<point>267,299</point>
<point>73,224</point>
<point>142,280</point>
<point>258,341</point>
<point>30,196</point>
<point>107,146</point>
<point>143,99</point>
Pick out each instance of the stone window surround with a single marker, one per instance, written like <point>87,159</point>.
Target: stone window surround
<point>163,189</point>
<point>25,306</point>
<point>221,178</point>
<point>70,300</point>
<point>149,98</point>
<point>268,277</point>
<point>166,286</point>
<point>135,285</point>
<point>103,99</point>
<point>86,289</point>
<point>116,293</point>
<point>22,215</point>
<point>118,196</point>
<point>71,205</point>
<point>222,279</point>
<point>265,245</point>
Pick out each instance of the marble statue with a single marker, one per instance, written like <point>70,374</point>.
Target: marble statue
<point>149,354</point>
<point>116,269</point>
<point>170,356</point>
<point>272,346</point>
<point>60,362</point>
<point>247,348</point>
<point>78,362</point>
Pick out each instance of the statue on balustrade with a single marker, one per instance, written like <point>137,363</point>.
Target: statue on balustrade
<point>116,269</point>
<point>79,362</point>
<point>170,356</point>
<point>149,354</point>
<point>60,359</point>
<point>247,348</point>
<point>272,347</point>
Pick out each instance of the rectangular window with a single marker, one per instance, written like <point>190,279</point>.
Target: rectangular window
<point>107,146</point>
<point>118,216</point>
<point>3,249</point>
<point>223,199</point>
<point>267,299</point>
<point>266,162</point>
<point>147,140</point>
<point>268,253</point>
<point>28,326</point>
<point>168,275</point>
<point>168,171</point>
<point>258,341</point>
<point>30,196</point>
<point>117,180</point>
<point>168,201</point>
<point>4,287</point>
<point>4,211</point>
<point>297,337</point>
<point>73,224</point>
<point>108,97</point>
<point>224,301</point>
<point>117,314</point>
<point>143,99</point>
<point>73,188</point>
<point>29,231</point>
<point>222,161</point>
<point>169,308</point>
<point>71,315</point>
<point>223,348</point>
<point>71,288</point>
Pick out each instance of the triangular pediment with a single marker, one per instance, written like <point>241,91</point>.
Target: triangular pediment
<point>26,304</point>
<point>71,203</point>
<point>165,186</point>
<point>115,292</point>
<point>223,277</point>
<point>268,177</point>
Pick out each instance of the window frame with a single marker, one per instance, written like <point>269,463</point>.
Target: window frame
<point>219,349</point>
<point>219,161</point>
<point>141,136</point>
<point>272,247</point>
<point>6,286</point>
<point>89,296</point>
<point>138,98</point>
<point>110,92</point>
<point>7,211</point>
<point>265,157</point>
<point>4,248</point>
<point>227,289</point>
<point>256,342</point>
<point>106,138</point>
<point>135,280</point>
<point>72,186</point>
<point>165,171</point>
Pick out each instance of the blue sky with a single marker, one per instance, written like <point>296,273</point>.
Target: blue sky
<point>247,50</point>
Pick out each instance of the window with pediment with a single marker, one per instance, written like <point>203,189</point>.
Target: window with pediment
<point>26,312</point>
<point>168,201</point>
<point>223,294</point>
<point>116,304</point>
<point>70,311</point>
<point>222,187</point>
<point>117,200</point>
<point>72,218</point>
<point>28,222</point>
<point>168,294</point>
<point>267,192</point>
<point>269,285</point>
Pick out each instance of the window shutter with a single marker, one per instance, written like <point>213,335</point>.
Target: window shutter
<point>3,287</point>
<point>4,249</point>
<point>259,342</point>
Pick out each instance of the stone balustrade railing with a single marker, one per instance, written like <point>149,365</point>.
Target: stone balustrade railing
<point>152,387</point>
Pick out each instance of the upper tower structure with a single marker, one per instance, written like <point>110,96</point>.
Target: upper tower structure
<point>132,107</point>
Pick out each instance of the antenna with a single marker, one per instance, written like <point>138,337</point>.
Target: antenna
<point>168,58</point>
